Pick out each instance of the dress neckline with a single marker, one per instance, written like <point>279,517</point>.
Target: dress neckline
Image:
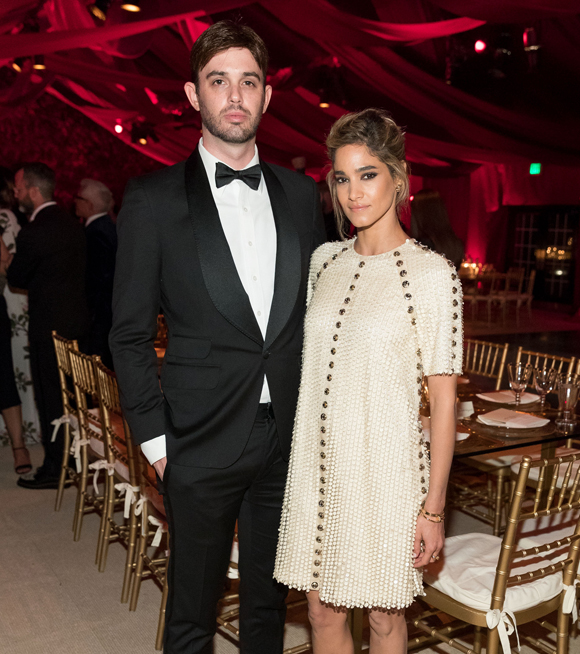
<point>381,255</point>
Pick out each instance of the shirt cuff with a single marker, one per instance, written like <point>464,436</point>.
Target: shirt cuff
<point>154,449</point>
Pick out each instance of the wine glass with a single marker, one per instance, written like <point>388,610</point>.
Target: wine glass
<point>519,374</point>
<point>568,389</point>
<point>544,381</point>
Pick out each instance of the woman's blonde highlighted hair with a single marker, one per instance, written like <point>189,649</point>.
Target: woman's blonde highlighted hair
<point>384,139</point>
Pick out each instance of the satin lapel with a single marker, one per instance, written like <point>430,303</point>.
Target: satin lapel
<point>217,264</point>
<point>288,257</point>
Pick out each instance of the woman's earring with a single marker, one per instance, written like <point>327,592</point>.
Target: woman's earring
<point>398,188</point>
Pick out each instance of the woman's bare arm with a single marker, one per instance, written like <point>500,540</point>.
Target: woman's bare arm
<point>442,396</point>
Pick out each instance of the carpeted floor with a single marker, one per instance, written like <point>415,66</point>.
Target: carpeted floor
<point>53,599</point>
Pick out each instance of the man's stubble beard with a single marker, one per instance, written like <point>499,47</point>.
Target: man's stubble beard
<point>233,133</point>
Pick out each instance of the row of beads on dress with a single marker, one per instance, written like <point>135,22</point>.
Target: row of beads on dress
<point>323,443</point>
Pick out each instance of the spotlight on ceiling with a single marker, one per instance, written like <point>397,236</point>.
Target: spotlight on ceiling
<point>39,62</point>
<point>99,8</point>
<point>141,131</point>
<point>480,45</point>
<point>18,64</point>
<point>131,6</point>
<point>119,127</point>
<point>143,140</point>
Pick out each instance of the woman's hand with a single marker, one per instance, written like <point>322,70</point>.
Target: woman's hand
<point>432,535</point>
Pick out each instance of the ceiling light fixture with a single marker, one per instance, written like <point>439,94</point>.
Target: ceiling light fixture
<point>133,7</point>
<point>18,64</point>
<point>99,8</point>
<point>39,62</point>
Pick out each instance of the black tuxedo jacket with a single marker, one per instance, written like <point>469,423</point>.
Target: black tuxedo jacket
<point>50,263</point>
<point>173,254</point>
<point>101,237</point>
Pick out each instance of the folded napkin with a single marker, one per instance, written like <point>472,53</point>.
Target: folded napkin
<point>507,397</point>
<point>511,419</point>
<point>460,435</point>
<point>464,409</point>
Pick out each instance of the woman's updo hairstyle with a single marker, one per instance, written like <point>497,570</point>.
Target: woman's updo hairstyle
<point>384,139</point>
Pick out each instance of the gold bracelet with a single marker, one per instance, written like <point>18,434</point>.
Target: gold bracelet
<point>432,517</point>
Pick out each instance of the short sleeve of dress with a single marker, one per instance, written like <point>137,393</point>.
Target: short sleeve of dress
<point>317,261</point>
<point>439,321</point>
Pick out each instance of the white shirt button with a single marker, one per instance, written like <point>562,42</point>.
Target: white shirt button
<point>255,278</point>
<point>249,242</point>
<point>259,313</point>
<point>246,209</point>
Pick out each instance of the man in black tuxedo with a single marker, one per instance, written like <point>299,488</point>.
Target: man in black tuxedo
<point>50,264</point>
<point>222,243</point>
<point>93,202</point>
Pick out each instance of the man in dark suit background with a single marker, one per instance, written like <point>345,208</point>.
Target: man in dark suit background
<point>93,202</point>
<point>222,243</point>
<point>50,264</point>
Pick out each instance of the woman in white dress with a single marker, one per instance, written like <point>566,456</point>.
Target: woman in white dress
<point>19,423</point>
<point>364,507</point>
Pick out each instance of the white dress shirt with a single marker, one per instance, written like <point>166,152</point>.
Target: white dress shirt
<point>248,222</point>
<point>92,218</point>
<point>40,208</point>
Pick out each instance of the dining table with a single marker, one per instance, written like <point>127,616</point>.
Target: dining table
<point>485,439</point>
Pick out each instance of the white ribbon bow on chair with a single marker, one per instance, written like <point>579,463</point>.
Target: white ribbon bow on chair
<point>101,464</point>
<point>75,448</point>
<point>505,628</point>
<point>138,511</point>
<point>129,492</point>
<point>66,418</point>
<point>160,529</point>
<point>570,605</point>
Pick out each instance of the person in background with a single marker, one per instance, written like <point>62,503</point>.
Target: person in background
<point>93,203</point>
<point>49,263</point>
<point>328,211</point>
<point>430,226</point>
<point>10,404</point>
<point>21,421</point>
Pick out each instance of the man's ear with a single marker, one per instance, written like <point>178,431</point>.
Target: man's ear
<point>267,97</point>
<point>191,93</point>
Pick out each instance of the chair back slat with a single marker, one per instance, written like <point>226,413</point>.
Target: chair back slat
<point>62,346</point>
<point>118,438</point>
<point>563,551</point>
<point>86,395</point>
<point>543,360</point>
<point>485,359</point>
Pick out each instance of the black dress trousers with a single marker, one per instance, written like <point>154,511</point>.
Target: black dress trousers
<point>46,384</point>
<point>202,506</point>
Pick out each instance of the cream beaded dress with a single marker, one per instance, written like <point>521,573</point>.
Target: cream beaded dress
<point>359,468</point>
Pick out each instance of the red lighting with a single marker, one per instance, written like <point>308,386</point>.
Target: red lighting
<point>480,46</point>
<point>118,128</point>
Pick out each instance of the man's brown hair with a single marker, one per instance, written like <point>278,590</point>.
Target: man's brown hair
<point>221,36</point>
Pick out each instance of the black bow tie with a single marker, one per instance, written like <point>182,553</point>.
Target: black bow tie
<point>251,176</point>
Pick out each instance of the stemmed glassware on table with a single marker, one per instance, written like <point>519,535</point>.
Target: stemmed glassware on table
<point>544,381</point>
<point>519,376</point>
<point>568,389</point>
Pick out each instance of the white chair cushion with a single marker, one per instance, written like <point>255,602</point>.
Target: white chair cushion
<point>561,451</point>
<point>466,573</point>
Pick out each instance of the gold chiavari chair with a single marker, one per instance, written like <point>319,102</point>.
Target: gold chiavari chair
<point>89,443</point>
<point>543,360</point>
<point>485,359</point>
<point>498,584</point>
<point>526,297</point>
<point>68,419</point>
<point>122,486</point>
<point>150,539</point>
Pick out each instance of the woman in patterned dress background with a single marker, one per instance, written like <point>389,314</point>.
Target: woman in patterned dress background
<point>363,505</point>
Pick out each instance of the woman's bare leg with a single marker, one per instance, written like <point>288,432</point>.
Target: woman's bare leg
<point>388,632</point>
<point>330,633</point>
<point>13,421</point>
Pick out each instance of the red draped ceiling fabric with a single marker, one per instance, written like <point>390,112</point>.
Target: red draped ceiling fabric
<point>133,67</point>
